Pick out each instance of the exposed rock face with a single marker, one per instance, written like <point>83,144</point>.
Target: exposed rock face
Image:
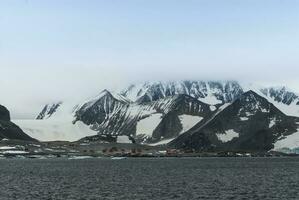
<point>281,95</point>
<point>115,116</point>
<point>284,99</point>
<point>169,127</point>
<point>211,92</point>
<point>155,111</point>
<point>172,108</point>
<point>119,114</point>
<point>101,108</point>
<point>9,130</point>
<point>4,114</point>
<point>48,110</point>
<point>250,123</point>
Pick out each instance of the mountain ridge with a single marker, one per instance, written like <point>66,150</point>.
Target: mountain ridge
<point>161,111</point>
<point>229,121</point>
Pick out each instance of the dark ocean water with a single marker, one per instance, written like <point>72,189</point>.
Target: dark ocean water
<point>163,178</point>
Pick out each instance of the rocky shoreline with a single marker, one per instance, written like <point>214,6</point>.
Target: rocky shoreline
<point>72,150</point>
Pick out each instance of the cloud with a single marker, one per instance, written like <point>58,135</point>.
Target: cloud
<point>25,90</point>
<point>51,51</point>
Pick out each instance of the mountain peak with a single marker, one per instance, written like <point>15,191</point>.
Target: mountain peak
<point>48,110</point>
<point>210,92</point>
<point>250,94</point>
<point>116,96</point>
<point>4,114</point>
<point>250,103</point>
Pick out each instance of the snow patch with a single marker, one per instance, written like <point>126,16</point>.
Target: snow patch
<point>118,158</point>
<point>80,157</point>
<point>148,125</point>
<point>188,121</point>
<point>227,136</point>
<point>272,123</point>
<point>210,99</point>
<point>213,108</point>
<point>248,114</point>
<point>7,148</point>
<point>244,118</point>
<point>123,139</point>
<point>14,152</point>
<point>162,142</point>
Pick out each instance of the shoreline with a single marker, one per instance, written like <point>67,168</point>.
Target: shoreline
<point>58,149</point>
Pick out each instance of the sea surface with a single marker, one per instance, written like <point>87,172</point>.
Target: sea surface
<point>150,178</point>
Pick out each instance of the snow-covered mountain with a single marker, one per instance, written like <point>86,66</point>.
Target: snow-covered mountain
<point>250,123</point>
<point>283,98</point>
<point>281,95</point>
<point>146,121</point>
<point>210,92</point>
<point>48,110</point>
<point>153,112</point>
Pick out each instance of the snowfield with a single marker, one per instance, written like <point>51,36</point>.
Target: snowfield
<point>55,130</point>
<point>291,142</point>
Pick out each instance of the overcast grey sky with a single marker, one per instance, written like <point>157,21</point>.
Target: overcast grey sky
<point>64,49</point>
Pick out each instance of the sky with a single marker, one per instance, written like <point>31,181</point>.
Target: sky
<point>54,50</point>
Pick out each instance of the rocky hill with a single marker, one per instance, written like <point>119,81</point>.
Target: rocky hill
<point>250,123</point>
<point>9,130</point>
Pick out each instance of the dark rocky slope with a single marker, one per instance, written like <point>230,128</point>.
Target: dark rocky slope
<point>250,123</point>
<point>114,115</point>
<point>9,130</point>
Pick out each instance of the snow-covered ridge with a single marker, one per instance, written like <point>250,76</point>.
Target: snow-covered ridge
<point>210,92</point>
<point>283,98</point>
<point>109,113</point>
<point>122,111</point>
<point>281,95</point>
<point>104,94</point>
<point>111,118</point>
<point>48,110</point>
<point>253,103</point>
